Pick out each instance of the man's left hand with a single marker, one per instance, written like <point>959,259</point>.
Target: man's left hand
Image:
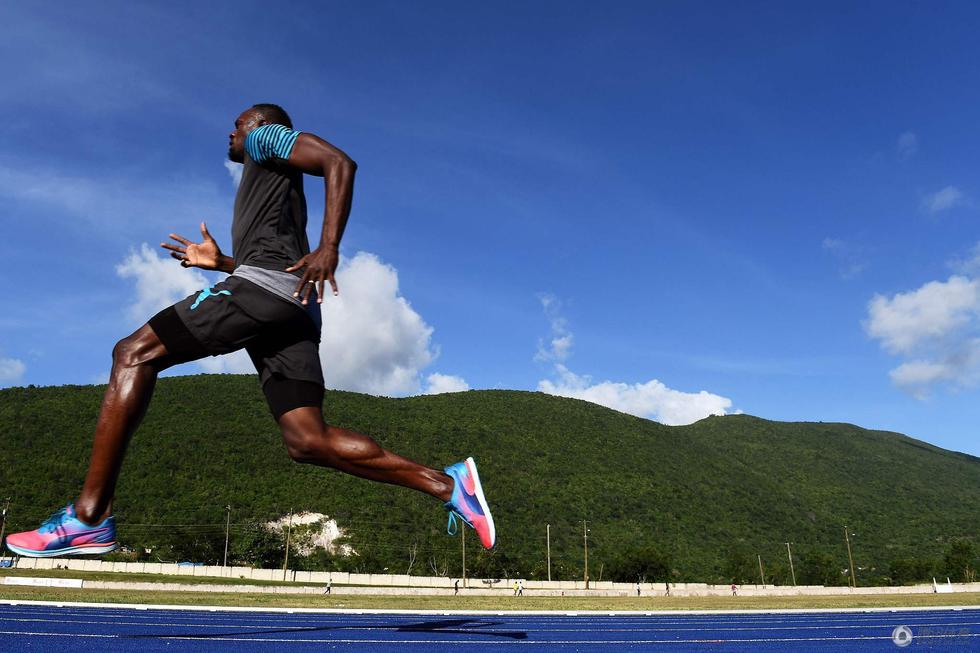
<point>320,265</point>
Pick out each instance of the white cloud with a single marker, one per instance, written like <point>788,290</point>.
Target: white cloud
<point>929,314</point>
<point>11,370</point>
<point>373,340</point>
<point>970,265</point>
<point>436,384</point>
<point>907,146</point>
<point>652,399</point>
<point>935,326</point>
<point>560,344</point>
<point>236,362</point>
<point>160,282</point>
<point>943,200</point>
<point>235,170</point>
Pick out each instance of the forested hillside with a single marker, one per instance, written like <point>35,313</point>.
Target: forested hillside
<point>697,502</point>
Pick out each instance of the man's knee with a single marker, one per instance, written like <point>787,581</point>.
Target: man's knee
<point>139,348</point>
<point>305,445</point>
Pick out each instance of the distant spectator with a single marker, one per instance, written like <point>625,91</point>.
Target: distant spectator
<point>520,588</point>
<point>637,588</point>
<point>328,588</point>
<point>515,588</point>
<point>734,589</point>
<point>666,589</point>
<point>456,587</point>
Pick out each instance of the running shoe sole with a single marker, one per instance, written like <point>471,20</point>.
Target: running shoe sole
<point>70,550</point>
<point>478,493</point>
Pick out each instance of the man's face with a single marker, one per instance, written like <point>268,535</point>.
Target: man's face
<point>246,122</point>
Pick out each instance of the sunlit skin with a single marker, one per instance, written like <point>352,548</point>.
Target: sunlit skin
<point>140,357</point>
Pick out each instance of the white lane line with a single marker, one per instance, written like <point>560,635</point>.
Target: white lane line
<point>504,627</point>
<point>567,642</point>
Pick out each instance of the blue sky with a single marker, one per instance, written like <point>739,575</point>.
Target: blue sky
<point>673,208</point>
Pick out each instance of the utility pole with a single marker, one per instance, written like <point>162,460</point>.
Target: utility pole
<point>549,552</point>
<point>850,558</point>
<point>762,574</point>
<point>585,532</point>
<point>3,523</point>
<point>463,540</point>
<point>791,571</point>
<point>227,528</point>
<point>289,533</point>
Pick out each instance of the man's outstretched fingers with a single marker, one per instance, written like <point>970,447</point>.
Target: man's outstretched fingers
<point>174,249</point>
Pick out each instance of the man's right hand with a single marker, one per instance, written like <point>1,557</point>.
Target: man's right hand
<point>205,255</point>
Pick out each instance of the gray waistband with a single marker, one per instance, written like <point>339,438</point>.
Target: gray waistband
<point>279,283</point>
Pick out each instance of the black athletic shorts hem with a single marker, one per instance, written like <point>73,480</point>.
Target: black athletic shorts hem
<point>175,335</point>
<point>284,395</point>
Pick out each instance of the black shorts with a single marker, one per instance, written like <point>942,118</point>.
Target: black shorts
<point>280,337</point>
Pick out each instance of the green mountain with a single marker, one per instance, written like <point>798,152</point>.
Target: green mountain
<point>698,503</point>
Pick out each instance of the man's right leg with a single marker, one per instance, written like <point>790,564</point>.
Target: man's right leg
<point>86,527</point>
<point>136,362</point>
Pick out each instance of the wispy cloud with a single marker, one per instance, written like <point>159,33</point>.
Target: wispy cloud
<point>159,281</point>
<point>11,370</point>
<point>436,384</point>
<point>235,171</point>
<point>559,344</point>
<point>969,264</point>
<point>936,328</point>
<point>849,257</point>
<point>907,146</point>
<point>116,206</point>
<point>943,200</point>
<point>651,399</point>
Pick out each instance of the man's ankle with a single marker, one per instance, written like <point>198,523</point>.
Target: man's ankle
<point>88,516</point>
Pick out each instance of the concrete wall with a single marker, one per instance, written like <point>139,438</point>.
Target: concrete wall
<point>375,583</point>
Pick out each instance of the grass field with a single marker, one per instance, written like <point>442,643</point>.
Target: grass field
<point>504,603</point>
<point>141,578</point>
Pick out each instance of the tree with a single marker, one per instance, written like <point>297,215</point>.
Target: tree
<point>640,563</point>
<point>960,563</point>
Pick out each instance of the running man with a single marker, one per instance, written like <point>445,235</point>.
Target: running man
<point>270,306</point>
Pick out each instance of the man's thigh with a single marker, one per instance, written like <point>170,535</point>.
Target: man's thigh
<point>220,319</point>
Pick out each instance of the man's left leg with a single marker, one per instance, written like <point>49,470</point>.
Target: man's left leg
<point>297,408</point>
<point>311,440</point>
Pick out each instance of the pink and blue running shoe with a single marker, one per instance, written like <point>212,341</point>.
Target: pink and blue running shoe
<point>64,534</point>
<point>469,504</point>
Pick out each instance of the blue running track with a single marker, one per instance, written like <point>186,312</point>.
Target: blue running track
<point>87,628</point>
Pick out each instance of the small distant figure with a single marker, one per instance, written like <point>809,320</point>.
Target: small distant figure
<point>515,588</point>
<point>666,589</point>
<point>637,588</point>
<point>456,587</point>
<point>734,589</point>
<point>329,587</point>
<point>520,588</point>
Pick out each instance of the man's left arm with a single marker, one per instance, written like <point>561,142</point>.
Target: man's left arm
<point>315,156</point>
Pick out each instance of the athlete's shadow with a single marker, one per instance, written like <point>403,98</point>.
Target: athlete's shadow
<point>451,626</point>
<point>448,626</point>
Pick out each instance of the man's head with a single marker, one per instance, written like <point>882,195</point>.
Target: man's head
<point>255,116</point>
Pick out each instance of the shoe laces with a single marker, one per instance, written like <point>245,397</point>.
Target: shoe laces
<point>452,526</point>
<point>54,521</point>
